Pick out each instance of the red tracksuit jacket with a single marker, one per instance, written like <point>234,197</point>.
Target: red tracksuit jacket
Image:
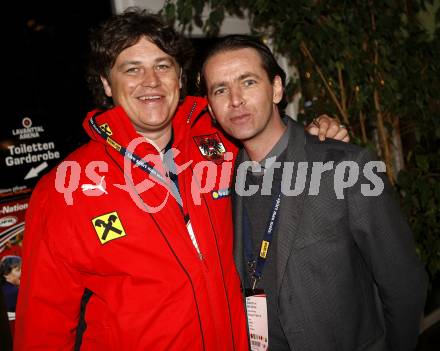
<point>150,288</point>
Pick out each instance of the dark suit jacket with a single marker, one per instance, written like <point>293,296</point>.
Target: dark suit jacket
<point>10,293</point>
<point>348,277</point>
<point>5,329</point>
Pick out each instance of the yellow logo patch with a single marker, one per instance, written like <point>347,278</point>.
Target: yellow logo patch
<point>114,144</point>
<point>264,248</point>
<point>108,227</point>
<point>106,129</point>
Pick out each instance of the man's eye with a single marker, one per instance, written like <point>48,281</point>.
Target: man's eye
<point>219,91</point>
<point>132,70</point>
<point>249,82</point>
<point>162,67</point>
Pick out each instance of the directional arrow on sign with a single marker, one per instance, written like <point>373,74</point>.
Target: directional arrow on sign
<point>35,170</point>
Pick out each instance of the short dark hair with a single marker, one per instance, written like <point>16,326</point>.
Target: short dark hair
<point>239,41</point>
<point>120,32</point>
<point>8,263</point>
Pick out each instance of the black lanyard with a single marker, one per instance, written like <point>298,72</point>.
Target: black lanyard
<point>256,266</point>
<point>138,161</point>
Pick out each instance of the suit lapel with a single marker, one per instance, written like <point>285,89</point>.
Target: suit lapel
<point>237,211</point>
<point>291,206</point>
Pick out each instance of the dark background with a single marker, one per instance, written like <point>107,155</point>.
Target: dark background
<point>46,44</point>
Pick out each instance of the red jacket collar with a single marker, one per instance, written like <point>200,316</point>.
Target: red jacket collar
<point>123,131</point>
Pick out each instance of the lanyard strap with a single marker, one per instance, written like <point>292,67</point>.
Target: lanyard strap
<point>138,161</point>
<point>256,266</point>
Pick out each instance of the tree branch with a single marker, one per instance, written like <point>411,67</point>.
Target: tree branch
<point>306,53</point>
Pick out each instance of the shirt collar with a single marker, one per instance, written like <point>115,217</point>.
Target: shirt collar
<point>273,154</point>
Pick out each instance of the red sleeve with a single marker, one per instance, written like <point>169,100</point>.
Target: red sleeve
<point>50,290</point>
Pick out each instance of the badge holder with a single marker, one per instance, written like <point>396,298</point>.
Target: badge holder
<point>256,310</point>
<point>256,300</point>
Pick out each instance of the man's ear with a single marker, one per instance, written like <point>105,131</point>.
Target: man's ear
<point>107,87</point>
<point>277,89</point>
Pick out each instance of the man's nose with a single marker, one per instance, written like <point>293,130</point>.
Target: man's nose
<point>237,98</point>
<point>150,79</point>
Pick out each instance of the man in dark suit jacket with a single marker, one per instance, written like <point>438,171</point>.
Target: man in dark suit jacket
<point>317,225</point>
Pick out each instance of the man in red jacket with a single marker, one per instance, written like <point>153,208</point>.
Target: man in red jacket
<point>132,233</point>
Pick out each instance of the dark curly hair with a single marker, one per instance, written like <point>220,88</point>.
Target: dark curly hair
<point>238,41</point>
<point>122,31</point>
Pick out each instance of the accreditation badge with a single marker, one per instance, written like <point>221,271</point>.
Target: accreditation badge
<point>256,308</point>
